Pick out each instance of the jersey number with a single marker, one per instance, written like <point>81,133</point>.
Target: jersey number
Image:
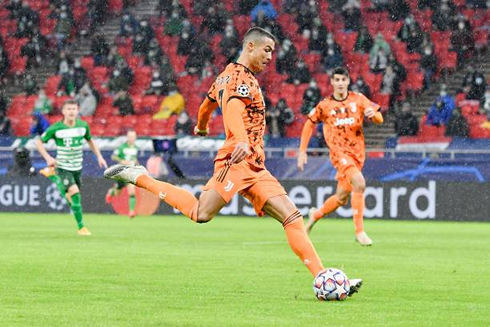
<point>220,96</point>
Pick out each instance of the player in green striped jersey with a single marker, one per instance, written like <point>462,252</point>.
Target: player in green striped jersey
<point>68,135</point>
<point>126,154</point>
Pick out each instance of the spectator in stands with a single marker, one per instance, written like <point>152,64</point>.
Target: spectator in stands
<point>99,49</point>
<point>477,4</point>
<point>117,82</point>
<point>398,9</point>
<point>157,85</point>
<point>381,5</point>
<point>113,57</point>
<point>30,85</point>
<point>230,44</point>
<point>389,84</point>
<point>174,24</point>
<point>64,63</point>
<point>439,112</point>
<point>80,75</point>
<point>3,102</point>
<point>43,104</point>
<point>446,97</point>
<point>123,102</point>
<point>462,40</point>
<point>332,59</point>
<point>129,25</point>
<point>474,84</point>
<point>214,20</point>
<point>266,7</point>
<point>166,71</point>
<point>140,45</point>
<point>187,38</point>
<point>270,25</point>
<point>155,54</point>
<point>173,104</point>
<point>286,57</point>
<point>414,42</point>
<point>307,12</point>
<point>361,87</point>
<point>352,15</point>
<point>14,7</point>
<point>278,118</point>
<point>97,10</point>
<point>299,74</point>
<point>426,42</point>
<point>67,84</point>
<point>443,15</point>
<point>428,64</point>
<point>62,29</point>
<point>406,124</point>
<point>378,55</point>
<point>166,7</point>
<point>39,124</point>
<point>5,126</point>
<point>4,62</point>
<point>86,100</point>
<point>485,104</point>
<point>183,125</point>
<point>146,31</point>
<point>34,50</point>
<point>317,36</point>
<point>364,41</point>
<point>457,126</point>
<point>401,72</point>
<point>311,97</point>
<point>200,7</point>
<point>126,72</point>
<point>208,70</point>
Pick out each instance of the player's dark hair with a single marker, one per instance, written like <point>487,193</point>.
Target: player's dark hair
<point>259,31</point>
<point>340,71</point>
<point>69,101</point>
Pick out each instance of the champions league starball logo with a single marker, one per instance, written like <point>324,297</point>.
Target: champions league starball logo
<point>54,198</point>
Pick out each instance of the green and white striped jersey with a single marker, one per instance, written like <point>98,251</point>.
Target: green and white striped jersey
<point>69,143</point>
<point>127,152</point>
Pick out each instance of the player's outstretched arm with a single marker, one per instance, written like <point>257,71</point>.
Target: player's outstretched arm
<point>50,161</point>
<point>96,151</point>
<point>205,110</point>
<point>375,116</point>
<point>308,129</point>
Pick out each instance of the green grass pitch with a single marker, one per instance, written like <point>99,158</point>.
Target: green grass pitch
<point>168,271</point>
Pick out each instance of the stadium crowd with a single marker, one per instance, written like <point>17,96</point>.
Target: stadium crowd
<point>158,69</point>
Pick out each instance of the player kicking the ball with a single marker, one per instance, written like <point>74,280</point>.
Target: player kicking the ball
<point>65,171</point>
<point>239,164</point>
<point>342,115</point>
<point>126,154</point>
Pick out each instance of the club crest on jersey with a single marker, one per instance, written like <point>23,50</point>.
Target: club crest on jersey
<point>344,121</point>
<point>243,90</point>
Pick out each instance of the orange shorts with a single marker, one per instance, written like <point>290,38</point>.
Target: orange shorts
<point>256,185</point>
<point>346,167</point>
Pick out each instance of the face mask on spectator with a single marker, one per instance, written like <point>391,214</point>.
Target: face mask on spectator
<point>116,73</point>
<point>478,80</point>
<point>63,15</point>
<point>461,25</point>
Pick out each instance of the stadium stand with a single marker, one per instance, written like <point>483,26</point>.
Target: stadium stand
<point>194,85</point>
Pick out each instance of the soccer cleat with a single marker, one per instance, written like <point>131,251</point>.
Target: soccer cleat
<point>311,219</point>
<point>132,214</point>
<point>363,239</point>
<point>123,173</point>
<point>84,232</point>
<point>47,171</point>
<point>355,285</point>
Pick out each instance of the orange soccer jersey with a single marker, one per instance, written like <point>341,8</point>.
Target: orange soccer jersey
<point>237,81</point>
<point>342,128</point>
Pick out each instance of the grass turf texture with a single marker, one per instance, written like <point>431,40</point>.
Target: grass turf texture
<point>167,271</point>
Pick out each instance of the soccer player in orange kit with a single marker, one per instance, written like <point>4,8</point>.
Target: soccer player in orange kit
<point>239,164</point>
<point>342,115</point>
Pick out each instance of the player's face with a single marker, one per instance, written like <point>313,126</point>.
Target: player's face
<point>261,54</point>
<point>70,111</point>
<point>340,83</point>
<point>131,137</point>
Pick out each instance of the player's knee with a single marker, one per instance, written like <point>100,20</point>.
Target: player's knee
<point>342,199</point>
<point>359,184</point>
<point>203,218</point>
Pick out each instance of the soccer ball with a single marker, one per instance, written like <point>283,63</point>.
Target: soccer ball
<point>331,285</point>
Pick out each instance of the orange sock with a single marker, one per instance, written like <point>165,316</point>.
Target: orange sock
<point>358,209</point>
<point>329,206</point>
<point>300,243</point>
<point>177,197</point>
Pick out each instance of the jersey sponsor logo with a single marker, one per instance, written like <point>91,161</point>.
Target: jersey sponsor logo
<point>229,186</point>
<point>71,132</point>
<point>243,90</point>
<point>344,121</point>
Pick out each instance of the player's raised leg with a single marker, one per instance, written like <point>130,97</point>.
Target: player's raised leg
<point>330,205</point>
<point>201,211</point>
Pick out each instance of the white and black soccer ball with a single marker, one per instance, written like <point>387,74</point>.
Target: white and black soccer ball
<point>54,199</point>
<point>331,285</point>
<point>243,90</point>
